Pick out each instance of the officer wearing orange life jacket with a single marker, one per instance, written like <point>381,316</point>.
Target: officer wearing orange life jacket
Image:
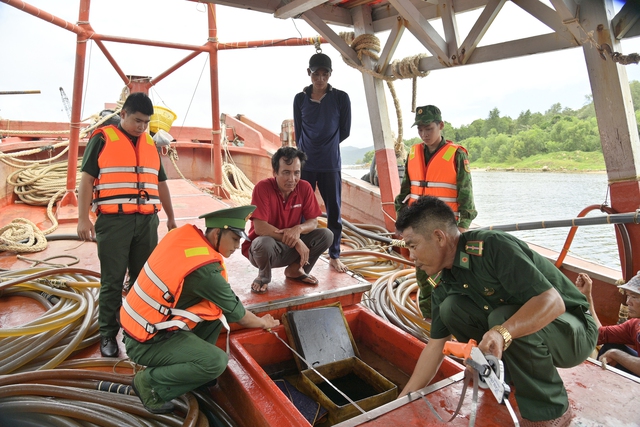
<point>123,179</point>
<point>175,311</point>
<point>436,167</point>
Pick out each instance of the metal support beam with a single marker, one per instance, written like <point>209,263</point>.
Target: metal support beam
<point>68,206</point>
<point>328,34</point>
<point>391,45</point>
<point>479,29</point>
<point>626,19</point>
<point>450,26</point>
<point>296,7</point>
<point>616,117</point>
<point>547,16</point>
<point>422,30</point>
<point>379,117</point>
<point>569,13</point>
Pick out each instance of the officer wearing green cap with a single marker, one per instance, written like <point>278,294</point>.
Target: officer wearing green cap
<point>175,311</point>
<point>436,167</point>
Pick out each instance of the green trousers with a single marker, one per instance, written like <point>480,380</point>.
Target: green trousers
<point>182,362</point>
<point>124,242</point>
<point>531,360</point>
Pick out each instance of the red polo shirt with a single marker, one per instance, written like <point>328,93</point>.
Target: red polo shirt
<point>301,205</point>
<point>627,333</point>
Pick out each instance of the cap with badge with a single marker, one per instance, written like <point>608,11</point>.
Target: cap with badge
<point>319,60</point>
<point>234,219</point>
<point>632,285</point>
<point>427,114</point>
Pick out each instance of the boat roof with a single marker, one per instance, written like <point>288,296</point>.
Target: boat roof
<point>434,25</point>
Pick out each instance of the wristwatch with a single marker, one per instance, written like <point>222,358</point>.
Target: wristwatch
<point>505,335</point>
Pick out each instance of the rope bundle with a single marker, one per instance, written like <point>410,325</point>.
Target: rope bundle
<point>369,45</point>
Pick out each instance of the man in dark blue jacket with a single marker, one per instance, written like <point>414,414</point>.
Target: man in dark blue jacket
<point>322,120</point>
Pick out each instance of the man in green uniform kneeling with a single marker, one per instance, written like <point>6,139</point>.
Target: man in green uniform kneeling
<point>174,312</point>
<point>516,304</point>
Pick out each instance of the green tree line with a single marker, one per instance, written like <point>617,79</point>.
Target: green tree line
<point>501,139</point>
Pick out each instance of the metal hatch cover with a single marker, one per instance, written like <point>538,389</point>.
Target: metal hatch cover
<point>321,335</point>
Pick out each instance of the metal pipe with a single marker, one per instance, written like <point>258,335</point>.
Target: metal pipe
<point>76,106</point>
<point>18,92</point>
<point>45,16</point>
<point>215,101</point>
<point>305,41</point>
<point>624,218</point>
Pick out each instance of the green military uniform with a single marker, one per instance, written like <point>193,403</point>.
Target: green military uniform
<point>180,361</point>
<point>466,205</point>
<point>492,276</point>
<point>124,241</point>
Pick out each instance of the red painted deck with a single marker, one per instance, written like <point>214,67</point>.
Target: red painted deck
<point>188,204</point>
<point>598,398</point>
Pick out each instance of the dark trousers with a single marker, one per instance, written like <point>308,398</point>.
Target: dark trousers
<point>181,363</point>
<point>330,187</point>
<point>531,360</point>
<point>267,253</point>
<point>124,242</point>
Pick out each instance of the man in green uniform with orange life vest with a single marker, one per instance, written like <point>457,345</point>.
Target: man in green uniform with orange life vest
<point>174,312</point>
<point>436,167</point>
<point>121,169</point>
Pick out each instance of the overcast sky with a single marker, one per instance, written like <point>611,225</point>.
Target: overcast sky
<point>261,83</point>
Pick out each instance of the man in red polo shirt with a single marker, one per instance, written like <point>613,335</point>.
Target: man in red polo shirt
<point>284,227</point>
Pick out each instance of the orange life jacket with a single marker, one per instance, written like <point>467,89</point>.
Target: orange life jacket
<point>150,304</point>
<point>438,178</point>
<point>128,179</point>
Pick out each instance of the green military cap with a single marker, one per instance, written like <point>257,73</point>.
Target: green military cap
<point>427,114</point>
<point>233,219</point>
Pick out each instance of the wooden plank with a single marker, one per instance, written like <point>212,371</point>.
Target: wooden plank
<point>626,19</point>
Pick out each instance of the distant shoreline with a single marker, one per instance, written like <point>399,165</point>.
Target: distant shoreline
<point>540,170</point>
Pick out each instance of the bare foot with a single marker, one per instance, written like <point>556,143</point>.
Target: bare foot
<point>338,265</point>
<point>258,287</point>
<point>294,270</point>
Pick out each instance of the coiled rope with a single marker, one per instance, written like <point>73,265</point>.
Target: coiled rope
<point>37,185</point>
<point>40,183</point>
<point>234,181</point>
<point>407,68</point>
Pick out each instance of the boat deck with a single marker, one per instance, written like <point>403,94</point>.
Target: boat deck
<point>245,389</point>
<point>189,202</point>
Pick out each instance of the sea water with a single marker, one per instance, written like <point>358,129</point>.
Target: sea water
<point>517,197</point>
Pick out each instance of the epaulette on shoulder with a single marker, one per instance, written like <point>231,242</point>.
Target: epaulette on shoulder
<point>474,247</point>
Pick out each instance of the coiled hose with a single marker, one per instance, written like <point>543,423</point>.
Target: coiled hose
<point>394,292</point>
<point>32,393</point>
<point>73,397</point>
<point>68,323</point>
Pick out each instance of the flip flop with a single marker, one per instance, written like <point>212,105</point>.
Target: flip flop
<point>258,281</point>
<point>305,279</point>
